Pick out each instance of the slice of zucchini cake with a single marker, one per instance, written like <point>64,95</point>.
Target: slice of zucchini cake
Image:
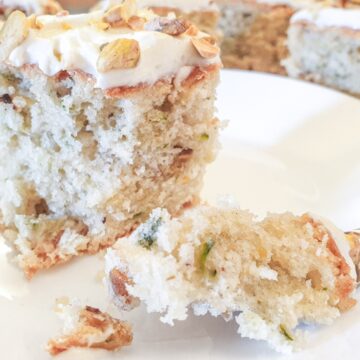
<point>203,13</point>
<point>29,7</point>
<point>324,47</point>
<point>273,274</point>
<point>103,117</point>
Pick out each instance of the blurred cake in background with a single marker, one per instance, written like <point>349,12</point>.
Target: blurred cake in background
<point>255,31</point>
<point>324,47</point>
<point>203,13</point>
<point>29,7</point>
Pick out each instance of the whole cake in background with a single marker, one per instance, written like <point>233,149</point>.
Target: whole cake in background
<point>103,117</point>
<point>29,7</point>
<point>272,274</point>
<point>203,13</point>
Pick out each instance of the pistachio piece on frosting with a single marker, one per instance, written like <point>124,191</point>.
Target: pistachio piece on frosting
<point>13,33</point>
<point>115,16</point>
<point>167,26</point>
<point>119,54</point>
<point>119,15</point>
<point>136,23</point>
<point>192,30</point>
<point>206,47</point>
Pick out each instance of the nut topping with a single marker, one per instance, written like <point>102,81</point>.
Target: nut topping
<point>192,30</point>
<point>118,16</point>
<point>13,33</point>
<point>136,23</point>
<point>167,26</point>
<point>119,54</point>
<point>115,17</point>
<point>206,47</point>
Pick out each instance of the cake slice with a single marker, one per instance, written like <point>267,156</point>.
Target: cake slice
<point>29,7</point>
<point>103,117</point>
<point>88,327</point>
<point>271,274</point>
<point>255,31</point>
<point>203,13</point>
<point>323,46</point>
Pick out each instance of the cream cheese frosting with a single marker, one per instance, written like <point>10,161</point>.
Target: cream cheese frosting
<point>74,43</point>
<point>183,5</point>
<point>329,17</point>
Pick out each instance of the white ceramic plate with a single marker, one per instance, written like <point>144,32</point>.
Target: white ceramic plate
<point>289,146</point>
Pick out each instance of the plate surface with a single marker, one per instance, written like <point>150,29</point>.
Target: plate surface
<point>289,145</point>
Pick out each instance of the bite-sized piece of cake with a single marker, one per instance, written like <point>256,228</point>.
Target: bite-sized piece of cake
<point>277,272</point>
<point>323,46</point>
<point>88,327</point>
<point>103,117</point>
<point>203,13</point>
<point>255,31</point>
<point>29,7</point>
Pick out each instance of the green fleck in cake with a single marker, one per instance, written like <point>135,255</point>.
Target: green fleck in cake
<point>271,274</point>
<point>103,117</point>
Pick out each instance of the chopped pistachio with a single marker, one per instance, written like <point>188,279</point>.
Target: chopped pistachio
<point>204,137</point>
<point>119,54</point>
<point>285,332</point>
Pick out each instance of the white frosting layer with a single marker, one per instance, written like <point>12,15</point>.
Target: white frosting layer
<point>329,17</point>
<point>341,242</point>
<point>183,5</point>
<point>79,48</point>
<point>30,6</point>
